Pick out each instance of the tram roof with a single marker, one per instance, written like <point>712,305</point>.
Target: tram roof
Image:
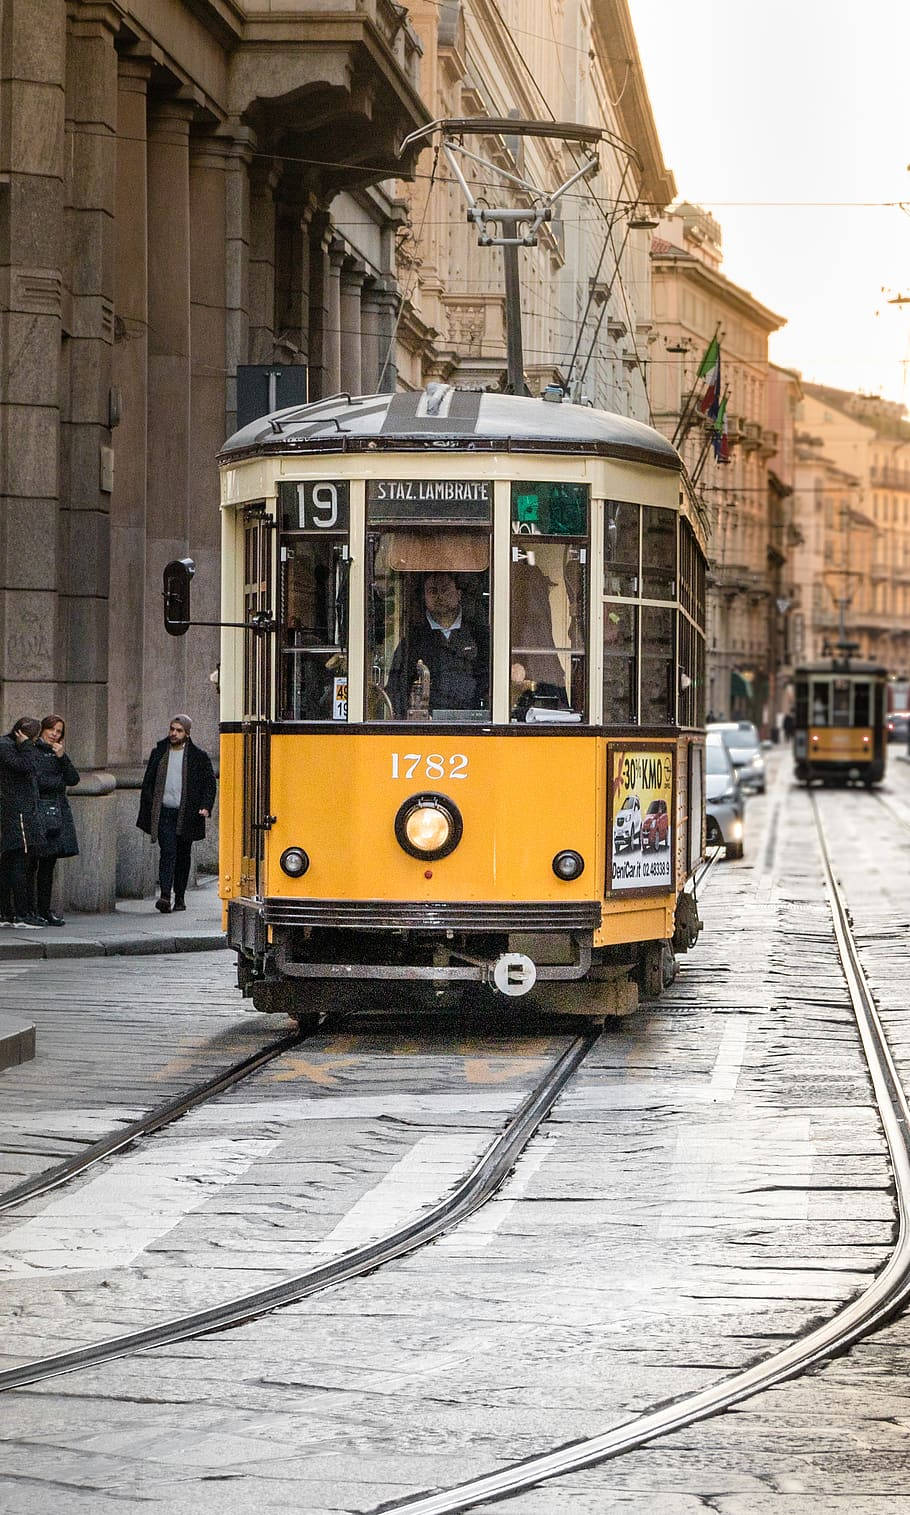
<point>453,419</point>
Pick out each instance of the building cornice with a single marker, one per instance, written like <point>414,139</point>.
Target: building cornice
<point>721,287</point>
<point>622,66</point>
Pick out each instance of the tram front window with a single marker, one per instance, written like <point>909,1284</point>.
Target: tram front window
<point>548,665</point>
<point>314,579</point>
<point>428,626</point>
<point>821,701</point>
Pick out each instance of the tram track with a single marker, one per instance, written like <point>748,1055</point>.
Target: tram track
<point>145,1125</point>
<point>477,1186</point>
<point>878,1303</point>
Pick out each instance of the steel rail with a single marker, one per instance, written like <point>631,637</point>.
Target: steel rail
<point>881,1300</point>
<point>477,1186</point>
<point>154,1120</point>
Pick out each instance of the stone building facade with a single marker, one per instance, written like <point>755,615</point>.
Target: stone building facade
<point>744,498</point>
<point>191,187</point>
<point>186,186</point>
<point>867,440</point>
<point>832,562</point>
<point>586,286</point>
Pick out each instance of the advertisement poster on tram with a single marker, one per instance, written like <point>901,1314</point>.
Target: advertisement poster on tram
<point>641,819</point>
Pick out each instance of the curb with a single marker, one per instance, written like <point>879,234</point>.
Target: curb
<point>17,1041</point>
<point>121,946</point>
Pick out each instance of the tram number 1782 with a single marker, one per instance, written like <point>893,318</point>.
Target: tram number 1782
<point>434,766</point>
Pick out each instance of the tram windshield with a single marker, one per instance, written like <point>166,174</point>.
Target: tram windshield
<point>428,625</point>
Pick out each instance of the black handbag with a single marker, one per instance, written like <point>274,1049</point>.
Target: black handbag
<point>51,818</point>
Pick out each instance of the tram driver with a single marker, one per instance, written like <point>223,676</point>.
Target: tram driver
<point>442,662</point>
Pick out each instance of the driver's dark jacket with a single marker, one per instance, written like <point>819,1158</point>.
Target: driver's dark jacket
<point>458,664</point>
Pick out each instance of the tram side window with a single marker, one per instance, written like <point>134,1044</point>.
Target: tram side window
<point>802,705</point>
<point>620,632</point>
<point>820,704</point>
<point>658,660</point>
<point>658,552</point>
<point>428,624</point>
<point>621,548</point>
<point>313,605</point>
<point>548,665</point>
<point>862,713</point>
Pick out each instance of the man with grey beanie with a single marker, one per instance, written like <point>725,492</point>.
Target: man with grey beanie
<point>178,793</point>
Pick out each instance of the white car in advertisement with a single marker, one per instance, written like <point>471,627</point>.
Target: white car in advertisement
<point>627,824</point>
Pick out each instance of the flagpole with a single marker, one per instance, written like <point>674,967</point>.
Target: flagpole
<point>685,419</point>
<point>703,455</point>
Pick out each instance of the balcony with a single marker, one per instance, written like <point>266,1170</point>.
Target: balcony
<point>337,88</point>
<point>889,478</point>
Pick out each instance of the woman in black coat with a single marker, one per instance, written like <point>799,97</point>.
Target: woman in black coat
<point>55,773</point>
<point>20,826</point>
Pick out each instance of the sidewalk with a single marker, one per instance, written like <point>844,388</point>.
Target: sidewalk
<point>135,927</point>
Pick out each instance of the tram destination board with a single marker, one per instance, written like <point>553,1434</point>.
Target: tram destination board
<point>429,499</point>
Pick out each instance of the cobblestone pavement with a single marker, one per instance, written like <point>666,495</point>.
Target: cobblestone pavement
<point>713,1182</point>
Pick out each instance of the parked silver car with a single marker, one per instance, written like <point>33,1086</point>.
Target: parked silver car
<point>743,743</point>
<point>724,800</point>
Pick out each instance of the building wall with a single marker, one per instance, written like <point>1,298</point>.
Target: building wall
<point>869,438</point>
<point>173,203</point>
<point>585,287</point>
<point>693,301</point>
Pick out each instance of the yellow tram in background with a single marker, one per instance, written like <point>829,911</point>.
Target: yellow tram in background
<point>462,721</point>
<point>839,731</point>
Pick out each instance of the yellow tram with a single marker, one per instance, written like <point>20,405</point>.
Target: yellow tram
<point>839,731</point>
<point>461,730</point>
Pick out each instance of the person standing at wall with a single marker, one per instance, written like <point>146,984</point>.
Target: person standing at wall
<point>55,773</point>
<point>20,826</point>
<point>178,793</point>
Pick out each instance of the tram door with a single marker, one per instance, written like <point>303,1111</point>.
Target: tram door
<point>258,551</point>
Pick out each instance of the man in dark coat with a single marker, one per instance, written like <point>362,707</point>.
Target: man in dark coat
<point>445,651</point>
<point>178,793</point>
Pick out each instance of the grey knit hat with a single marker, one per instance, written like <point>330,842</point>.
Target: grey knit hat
<point>184,720</point>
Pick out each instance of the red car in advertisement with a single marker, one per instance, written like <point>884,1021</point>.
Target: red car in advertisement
<point>655,827</point>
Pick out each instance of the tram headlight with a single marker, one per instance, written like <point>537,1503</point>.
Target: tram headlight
<point>568,865</point>
<point>428,826</point>
<point>294,862</point>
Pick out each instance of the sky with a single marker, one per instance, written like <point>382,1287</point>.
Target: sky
<point>804,102</point>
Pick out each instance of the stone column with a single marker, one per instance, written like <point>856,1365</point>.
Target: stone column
<point>292,278</point>
<point>333,318</point>
<point>209,159</point>
<point>31,306</point>
<point>353,274</point>
<point>168,401</point>
<point>92,110</point>
<point>240,143</point>
<point>263,181</point>
<point>320,235</point>
<point>387,298</point>
<point>370,358</point>
<point>130,375</point>
<point>135,863</point>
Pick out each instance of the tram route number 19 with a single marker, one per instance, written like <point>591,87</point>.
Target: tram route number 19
<point>409,765</point>
<point>322,506</point>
